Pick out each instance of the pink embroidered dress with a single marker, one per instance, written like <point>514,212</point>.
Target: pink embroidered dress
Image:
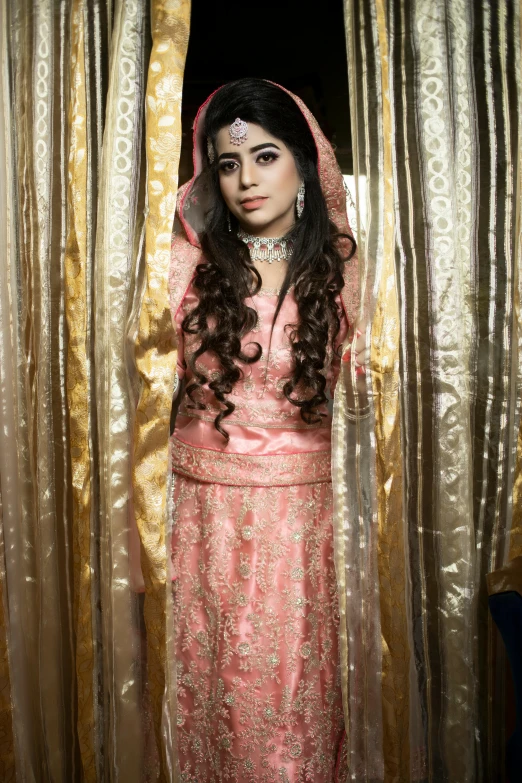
<point>255,592</point>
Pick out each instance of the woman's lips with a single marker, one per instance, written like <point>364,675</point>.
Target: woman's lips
<point>254,203</point>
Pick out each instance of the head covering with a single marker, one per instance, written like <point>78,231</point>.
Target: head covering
<point>193,199</point>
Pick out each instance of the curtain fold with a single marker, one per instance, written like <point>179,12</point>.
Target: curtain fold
<point>7,739</point>
<point>386,693</point>
<point>435,89</point>
<point>29,520</point>
<point>427,450</point>
<point>72,207</point>
<point>120,198</point>
<point>7,715</point>
<point>515,548</point>
<point>78,313</point>
<point>156,359</point>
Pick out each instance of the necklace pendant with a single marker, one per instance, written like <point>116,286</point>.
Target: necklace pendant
<point>266,248</point>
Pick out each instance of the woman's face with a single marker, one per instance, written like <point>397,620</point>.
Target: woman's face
<point>259,181</point>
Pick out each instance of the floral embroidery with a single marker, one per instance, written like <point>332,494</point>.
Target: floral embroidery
<point>248,417</point>
<point>258,675</point>
<point>267,470</point>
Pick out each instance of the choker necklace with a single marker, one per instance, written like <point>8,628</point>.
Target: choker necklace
<point>266,248</point>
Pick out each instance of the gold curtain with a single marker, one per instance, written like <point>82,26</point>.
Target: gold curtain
<point>156,359</point>
<point>435,100</point>
<point>89,133</point>
<point>427,458</point>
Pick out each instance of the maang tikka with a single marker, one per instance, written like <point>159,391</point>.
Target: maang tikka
<point>238,131</point>
<point>238,134</point>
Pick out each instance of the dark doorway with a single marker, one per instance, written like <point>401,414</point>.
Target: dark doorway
<point>281,41</point>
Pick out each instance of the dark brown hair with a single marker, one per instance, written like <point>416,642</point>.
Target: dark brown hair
<point>227,277</point>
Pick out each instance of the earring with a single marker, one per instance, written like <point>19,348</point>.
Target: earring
<point>210,151</point>
<point>300,200</point>
<point>229,224</point>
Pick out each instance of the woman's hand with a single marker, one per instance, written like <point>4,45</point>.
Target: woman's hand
<point>362,351</point>
<point>359,353</point>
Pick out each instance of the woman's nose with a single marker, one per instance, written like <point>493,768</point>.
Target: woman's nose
<point>248,175</point>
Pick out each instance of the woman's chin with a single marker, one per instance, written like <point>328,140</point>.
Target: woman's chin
<point>261,226</point>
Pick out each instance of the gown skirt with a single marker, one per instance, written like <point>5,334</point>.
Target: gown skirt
<point>256,619</point>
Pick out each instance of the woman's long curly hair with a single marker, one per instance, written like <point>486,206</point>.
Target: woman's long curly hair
<point>228,277</point>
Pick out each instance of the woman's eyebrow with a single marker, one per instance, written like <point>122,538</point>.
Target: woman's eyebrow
<point>263,146</point>
<point>252,149</point>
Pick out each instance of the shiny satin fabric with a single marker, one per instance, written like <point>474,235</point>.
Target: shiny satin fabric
<point>386,645</point>
<point>54,628</point>
<point>434,87</point>
<point>30,525</point>
<point>7,762</point>
<point>72,93</point>
<point>17,491</point>
<point>399,699</point>
<point>77,270</point>
<point>155,357</point>
<point>515,543</point>
<point>435,96</point>
<point>7,466</point>
<point>119,198</point>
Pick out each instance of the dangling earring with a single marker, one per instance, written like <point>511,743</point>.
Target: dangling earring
<point>300,200</point>
<point>229,224</point>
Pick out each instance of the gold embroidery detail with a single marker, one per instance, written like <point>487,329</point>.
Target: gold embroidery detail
<point>282,425</point>
<point>261,699</point>
<point>309,467</point>
<point>267,291</point>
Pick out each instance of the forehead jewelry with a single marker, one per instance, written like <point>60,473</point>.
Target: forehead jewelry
<point>238,131</point>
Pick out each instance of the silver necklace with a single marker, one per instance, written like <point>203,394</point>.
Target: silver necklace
<point>266,248</point>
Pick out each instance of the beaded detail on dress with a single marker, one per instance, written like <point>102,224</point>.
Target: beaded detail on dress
<point>259,695</point>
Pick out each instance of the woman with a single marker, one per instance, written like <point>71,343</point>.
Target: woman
<point>263,293</point>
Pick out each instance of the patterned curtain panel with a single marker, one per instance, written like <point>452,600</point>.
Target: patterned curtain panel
<point>80,195</point>
<point>427,454</point>
<point>435,90</point>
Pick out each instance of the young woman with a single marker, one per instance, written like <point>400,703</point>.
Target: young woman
<point>263,291</point>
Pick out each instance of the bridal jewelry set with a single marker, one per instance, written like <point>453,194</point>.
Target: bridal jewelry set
<point>266,248</point>
<point>261,248</point>
<point>238,133</point>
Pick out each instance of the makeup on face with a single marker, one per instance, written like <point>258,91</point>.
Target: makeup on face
<point>254,202</point>
<point>269,149</point>
<point>258,181</point>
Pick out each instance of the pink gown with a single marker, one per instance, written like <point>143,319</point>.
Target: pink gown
<point>255,593</point>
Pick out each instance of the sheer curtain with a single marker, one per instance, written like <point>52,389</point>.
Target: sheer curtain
<point>435,98</point>
<point>427,457</point>
<point>90,132</point>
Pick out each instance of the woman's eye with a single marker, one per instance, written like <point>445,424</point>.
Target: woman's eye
<point>267,157</point>
<point>227,166</point>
